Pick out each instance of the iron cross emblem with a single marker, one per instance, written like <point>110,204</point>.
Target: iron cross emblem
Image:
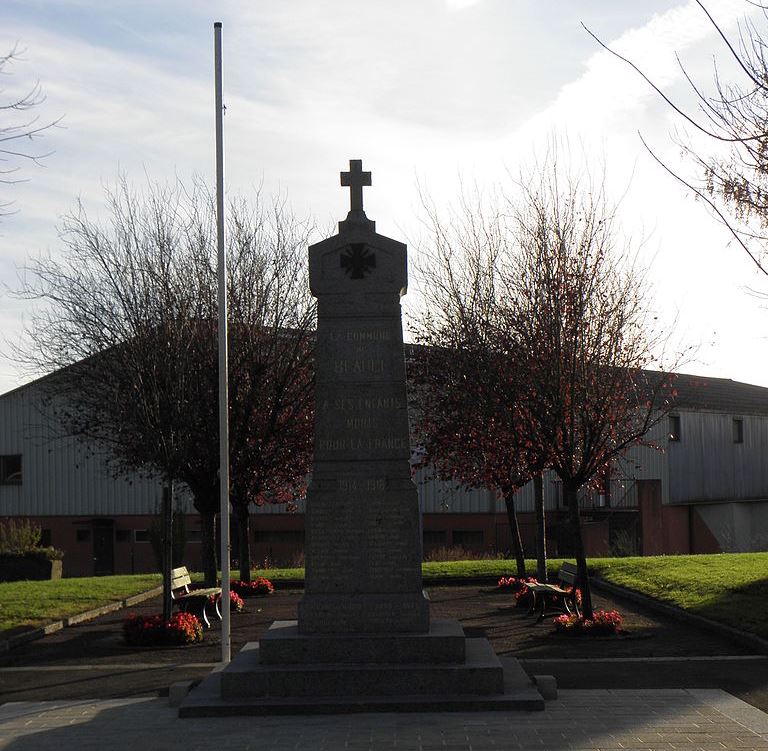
<point>357,261</point>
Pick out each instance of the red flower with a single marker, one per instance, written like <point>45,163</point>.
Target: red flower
<point>603,623</point>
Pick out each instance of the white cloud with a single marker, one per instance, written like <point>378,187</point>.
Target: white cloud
<point>461,4</point>
<point>412,88</point>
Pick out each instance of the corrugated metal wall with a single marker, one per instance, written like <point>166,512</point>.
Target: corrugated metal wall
<point>60,477</point>
<point>706,464</point>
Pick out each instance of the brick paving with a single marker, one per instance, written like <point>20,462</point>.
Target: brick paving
<point>678,702</point>
<point>610,720</point>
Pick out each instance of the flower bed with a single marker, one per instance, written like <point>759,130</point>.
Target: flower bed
<point>151,630</point>
<point>236,604</point>
<point>604,623</point>
<point>258,587</point>
<point>523,595</point>
<point>518,587</point>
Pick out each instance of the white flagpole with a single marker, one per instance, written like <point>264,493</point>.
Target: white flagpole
<point>226,650</point>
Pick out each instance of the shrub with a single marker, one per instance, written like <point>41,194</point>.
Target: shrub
<point>459,553</point>
<point>260,586</point>
<point>605,622</point>
<point>152,630</point>
<point>21,537</point>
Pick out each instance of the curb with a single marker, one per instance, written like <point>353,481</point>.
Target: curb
<point>740,637</point>
<point>427,581</point>
<point>50,628</point>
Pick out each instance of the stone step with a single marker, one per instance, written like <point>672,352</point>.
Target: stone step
<point>519,695</point>
<point>480,674</point>
<point>284,645</point>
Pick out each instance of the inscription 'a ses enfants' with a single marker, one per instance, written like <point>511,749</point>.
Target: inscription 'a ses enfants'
<point>361,403</point>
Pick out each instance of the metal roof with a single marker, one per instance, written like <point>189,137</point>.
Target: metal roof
<point>719,395</point>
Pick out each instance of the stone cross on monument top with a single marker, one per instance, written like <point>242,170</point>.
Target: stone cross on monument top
<point>356,180</point>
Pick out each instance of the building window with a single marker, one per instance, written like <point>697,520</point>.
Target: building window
<point>10,469</point>
<point>83,535</point>
<point>141,535</point>
<point>738,430</point>
<point>433,538</point>
<point>45,538</point>
<point>674,427</point>
<point>468,538</point>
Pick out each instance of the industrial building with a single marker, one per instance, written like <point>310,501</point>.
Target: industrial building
<point>702,488</point>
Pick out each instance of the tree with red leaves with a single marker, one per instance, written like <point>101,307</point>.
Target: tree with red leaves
<point>130,334</point>
<point>583,335</point>
<point>468,387</point>
<point>536,336</point>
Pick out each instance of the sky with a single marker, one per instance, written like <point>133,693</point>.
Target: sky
<point>431,94</point>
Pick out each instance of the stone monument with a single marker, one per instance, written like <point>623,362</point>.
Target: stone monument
<point>362,550</point>
<point>363,639</point>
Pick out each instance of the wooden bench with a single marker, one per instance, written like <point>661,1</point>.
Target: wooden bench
<point>558,598</point>
<point>195,601</point>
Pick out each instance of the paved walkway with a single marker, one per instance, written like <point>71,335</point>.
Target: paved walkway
<point>587,719</point>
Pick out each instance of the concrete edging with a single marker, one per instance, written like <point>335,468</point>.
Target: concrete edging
<point>50,628</point>
<point>740,637</point>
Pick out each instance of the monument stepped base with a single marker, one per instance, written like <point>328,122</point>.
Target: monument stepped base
<point>283,644</point>
<point>519,695</point>
<point>248,686</point>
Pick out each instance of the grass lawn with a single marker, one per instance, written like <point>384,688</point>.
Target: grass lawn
<point>34,603</point>
<point>730,588</point>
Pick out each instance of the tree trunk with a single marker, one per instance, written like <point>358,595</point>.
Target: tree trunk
<point>514,528</point>
<point>167,547</point>
<point>208,547</point>
<point>243,542</point>
<point>582,576</point>
<point>541,529</point>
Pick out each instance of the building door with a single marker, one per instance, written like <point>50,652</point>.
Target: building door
<point>103,547</point>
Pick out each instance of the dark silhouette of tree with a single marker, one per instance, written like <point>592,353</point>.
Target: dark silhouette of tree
<point>129,330</point>
<point>583,336</point>
<point>467,383</point>
<point>732,179</point>
<point>19,129</point>
<point>536,335</point>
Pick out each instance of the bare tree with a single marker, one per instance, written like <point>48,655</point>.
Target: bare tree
<point>19,129</point>
<point>537,335</point>
<point>467,383</point>
<point>129,330</point>
<point>583,335</point>
<point>732,178</point>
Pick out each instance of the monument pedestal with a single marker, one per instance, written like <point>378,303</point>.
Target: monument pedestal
<point>292,673</point>
<point>363,640</point>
